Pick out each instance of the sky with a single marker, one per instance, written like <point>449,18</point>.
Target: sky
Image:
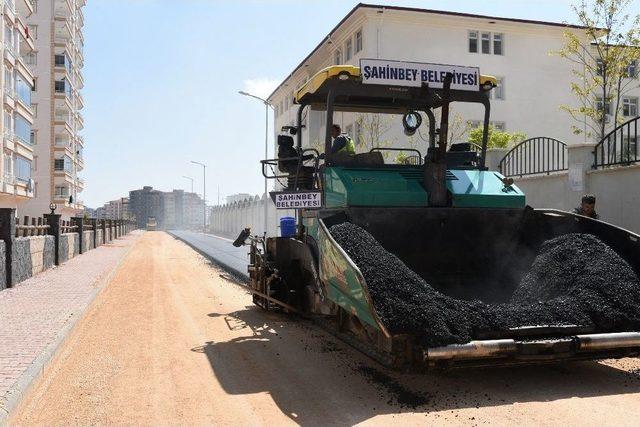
<point>162,80</point>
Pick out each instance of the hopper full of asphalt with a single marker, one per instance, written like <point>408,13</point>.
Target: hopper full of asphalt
<point>575,279</point>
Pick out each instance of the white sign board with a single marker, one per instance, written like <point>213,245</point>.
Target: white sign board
<point>298,200</point>
<point>575,177</point>
<point>399,73</point>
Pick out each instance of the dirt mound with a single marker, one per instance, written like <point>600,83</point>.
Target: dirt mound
<point>575,279</point>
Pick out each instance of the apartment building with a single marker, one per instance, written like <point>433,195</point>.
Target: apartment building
<point>17,79</point>
<point>532,83</point>
<point>114,209</point>
<point>176,209</point>
<point>56,26</point>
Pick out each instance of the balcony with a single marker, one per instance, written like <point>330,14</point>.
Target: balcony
<point>79,184</point>
<point>25,7</point>
<point>24,69</point>
<point>80,139</point>
<point>9,97</point>
<point>80,100</point>
<point>62,9</point>
<point>63,93</point>
<point>26,42</point>
<point>10,9</point>
<point>10,53</point>
<point>8,140</point>
<point>62,30</point>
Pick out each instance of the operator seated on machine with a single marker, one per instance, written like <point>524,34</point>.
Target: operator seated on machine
<point>342,142</point>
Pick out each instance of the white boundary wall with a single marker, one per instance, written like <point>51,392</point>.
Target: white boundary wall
<point>228,220</point>
<point>617,191</point>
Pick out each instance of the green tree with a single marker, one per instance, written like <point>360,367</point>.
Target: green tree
<point>601,57</point>
<point>497,138</point>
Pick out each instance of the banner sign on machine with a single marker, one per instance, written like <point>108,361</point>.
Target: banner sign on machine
<point>297,199</point>
<point>400,73</point>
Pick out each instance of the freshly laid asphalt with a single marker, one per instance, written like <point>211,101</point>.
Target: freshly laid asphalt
<point>218,249</point>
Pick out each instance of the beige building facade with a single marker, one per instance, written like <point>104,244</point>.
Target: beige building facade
<point>58,60</point>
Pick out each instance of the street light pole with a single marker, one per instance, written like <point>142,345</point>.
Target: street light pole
<point>266,145</point>
<point>204,194</point>
<point>190,179</point>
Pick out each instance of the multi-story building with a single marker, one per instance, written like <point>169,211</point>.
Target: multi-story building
<point>532,82</point>
<point>146,203</point>
<point>56,26</point>
<point>176,209</point>
<point>17,83</point>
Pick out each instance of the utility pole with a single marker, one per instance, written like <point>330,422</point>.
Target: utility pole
<point>266,145</point>
<point>204,194</point>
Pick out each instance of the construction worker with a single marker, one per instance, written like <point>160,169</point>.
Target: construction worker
<point>342,143</point>
<point>587,207</point>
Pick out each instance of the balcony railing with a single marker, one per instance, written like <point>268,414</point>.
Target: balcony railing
<point>9,178</point>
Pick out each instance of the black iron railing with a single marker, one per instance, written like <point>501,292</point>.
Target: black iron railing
<point>539,155</point>
<point>618,147</point>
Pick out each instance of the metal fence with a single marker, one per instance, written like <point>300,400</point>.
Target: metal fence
<point>618,147</point>
<point>539,155</point>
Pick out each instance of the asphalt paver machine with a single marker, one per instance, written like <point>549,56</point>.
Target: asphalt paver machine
<point>443,213</point>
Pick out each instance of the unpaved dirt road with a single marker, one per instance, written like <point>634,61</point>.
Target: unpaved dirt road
<point>169,341</point>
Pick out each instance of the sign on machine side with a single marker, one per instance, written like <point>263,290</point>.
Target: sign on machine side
<point>401,73</point>
<point>297,199</point>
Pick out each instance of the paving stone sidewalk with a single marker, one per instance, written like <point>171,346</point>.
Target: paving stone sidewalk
<point>37,314</point>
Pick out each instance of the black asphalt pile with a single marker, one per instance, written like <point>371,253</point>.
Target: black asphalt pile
<point>575,279</point>
<point>582,271</point>
<point>404,302</point>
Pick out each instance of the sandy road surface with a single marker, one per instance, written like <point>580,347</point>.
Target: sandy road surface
<point>171,342</point>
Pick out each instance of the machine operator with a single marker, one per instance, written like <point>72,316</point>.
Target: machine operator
<point>342,143</point>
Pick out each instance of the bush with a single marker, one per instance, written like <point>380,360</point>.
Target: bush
<point>497,138</point>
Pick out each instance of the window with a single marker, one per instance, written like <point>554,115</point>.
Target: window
<point>632,71</point>
<point>34,108</point>
<point>61,191</point>
<point>630,107</point>
<point>498,91</point>
<point>63,164</point>
<point>8,82</point>
<point>23,90</point>
<point>497,44</point>
<point>501,126</point>
<point>22,129</point>
<point>599,66</point>
<point>33,31</point>
<point>33,137</point>
<point>486,42</point>
<point>348,49</point>
<point>358,41</point>
<point>33,88</point>
<point>473,41</point>
<point>473,124</point>
<point>606,108</point>
<point>337,57</point>
<point>8,163</point>
<point>31,58</point>
<point>22,168</point>
<point>7,123</point>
